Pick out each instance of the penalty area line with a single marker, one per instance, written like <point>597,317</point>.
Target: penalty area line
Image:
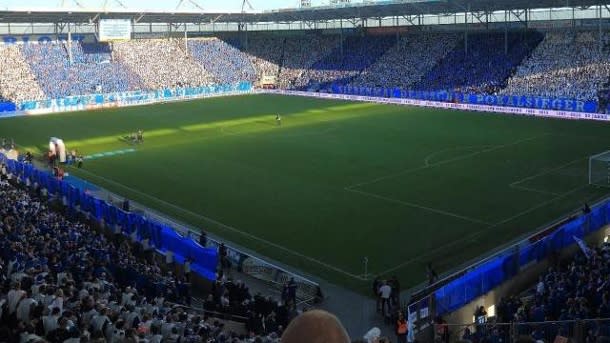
<point>421,207</point>
<point>479,232</point>
<point>531,177</point>
<point>229,228</point>
<point>443,162</point>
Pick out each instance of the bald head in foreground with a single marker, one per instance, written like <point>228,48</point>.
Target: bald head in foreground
<point>315,326</point>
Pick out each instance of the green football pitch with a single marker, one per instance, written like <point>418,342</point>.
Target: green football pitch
<point>337,181</point>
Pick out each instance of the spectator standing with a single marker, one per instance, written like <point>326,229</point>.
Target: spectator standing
<point>402,328</point>
<point>292,292</point>
<point>385,291</point>
<point>395,284</point>
<point>203,239</point>
<point>431,273</point>
<point>376,285</point>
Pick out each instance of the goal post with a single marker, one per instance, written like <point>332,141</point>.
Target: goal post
<point>599,169</point>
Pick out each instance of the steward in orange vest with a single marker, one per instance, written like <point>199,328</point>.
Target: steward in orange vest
<point>402,328</point>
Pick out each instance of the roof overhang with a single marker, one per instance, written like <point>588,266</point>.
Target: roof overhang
<point>361,11</point>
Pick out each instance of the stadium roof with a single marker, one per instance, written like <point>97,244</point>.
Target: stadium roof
<point>389,9</point>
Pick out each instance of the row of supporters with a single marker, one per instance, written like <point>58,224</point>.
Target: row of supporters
<point>161,236</point>
<point>560,104</point>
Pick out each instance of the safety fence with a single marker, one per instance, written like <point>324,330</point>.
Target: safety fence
<point>135,225</point>
<point>275,276</point>
<point>550,331</point>
<point>506,264</point>
<point>165,234</point>
<point>462,287</point>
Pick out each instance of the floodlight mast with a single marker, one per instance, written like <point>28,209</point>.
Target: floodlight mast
<point>242,26</point>
<point>243,6</point>
<point>117,2</point>
<point>74,2</point>
<point>192,2</point>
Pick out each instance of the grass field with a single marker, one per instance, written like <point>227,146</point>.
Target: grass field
<point>338,181</point>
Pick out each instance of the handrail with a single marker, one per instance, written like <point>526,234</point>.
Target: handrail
<point>491,323</point>
<point>213,313</point>
<point>307,289</point>
<point>188,231</point>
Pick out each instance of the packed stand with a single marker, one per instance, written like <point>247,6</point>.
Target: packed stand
<point>223,60</point>
<point>265,53</point>
<point>162,63</point>
<point>344,63</point>
<point>300,53</point>
<point>63,281</point>
<point>563,66</point>
<point>17,82</point>
<point>485,67</point>
<point>576,290</point>
<point>92,69</point>
<point>408,61</point>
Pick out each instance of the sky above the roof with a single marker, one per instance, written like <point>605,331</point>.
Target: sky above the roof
<point>153,5</point>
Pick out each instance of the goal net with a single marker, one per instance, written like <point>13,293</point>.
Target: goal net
<point>599,169</point>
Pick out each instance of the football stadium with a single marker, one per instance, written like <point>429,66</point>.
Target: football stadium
<point>305,171</point>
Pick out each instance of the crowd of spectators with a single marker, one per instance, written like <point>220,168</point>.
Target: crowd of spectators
<point>162,63</point>
<point>265,53</point>
<point>61,280</point>
<point>552,65</point>
<point>346,61</point>
<point>17,82</point>
<point>224,61</point>
<point>92,69</point>
<point>408,61</point>
<point>300,53</point>
<point>564,65</point>
<point>576,290</point>
<point>484,67</point>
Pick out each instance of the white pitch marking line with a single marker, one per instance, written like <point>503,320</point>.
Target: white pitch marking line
<point>542,204</point>
<point>546,171</point>
<point>476,233</point>
<point>231,228</point>
<point>458,158</point>
<point>421,207</point>
<point>533,190</point>
<point>458,148</point>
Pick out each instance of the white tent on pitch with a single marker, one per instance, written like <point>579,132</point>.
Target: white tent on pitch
<point>57,147</point>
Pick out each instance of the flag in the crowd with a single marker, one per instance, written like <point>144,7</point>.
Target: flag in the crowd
<point>583,246</point>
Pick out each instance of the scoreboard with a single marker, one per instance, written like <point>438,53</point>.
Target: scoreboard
<point>114,29</point>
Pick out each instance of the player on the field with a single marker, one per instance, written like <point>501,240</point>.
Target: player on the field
<point>140,136</point>
<point>278,119</point>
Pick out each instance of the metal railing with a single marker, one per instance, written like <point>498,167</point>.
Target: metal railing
<point>550,331</point>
